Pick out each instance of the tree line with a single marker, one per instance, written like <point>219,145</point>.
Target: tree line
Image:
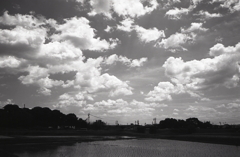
<point>11,116</point>
<point>188,123</point>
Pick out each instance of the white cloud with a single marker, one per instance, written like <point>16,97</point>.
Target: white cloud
<point>125,8</point>
<point>40,77</point>
<point>55,52</point>
<point>230,106</point>
<point>133,8</point>
<point>220,49</point>
<point>198,75</point>
<point>138,63</point>
<point>163,92</point>
<point>119,103</point>
<point>79,99</point>
<point>90,78</point>
<point>121,107</point>
<point>126,25</point>
<point>145,35</point>
<point>193,28</point>
<point>126,61</point>
<point>62,55</point>
<point>176,13</point>
<point>148,35</point>
<point>21,36</point>
<point>175,41</point>
<point>232,5</point>
<point>108,29</point>
<point>188,35</point>
<point>81,35</point>
<point>9,61</point>
<point>8,101</point>
<point>101,7</point>
<point>207,15</point>
<point>26,21</point>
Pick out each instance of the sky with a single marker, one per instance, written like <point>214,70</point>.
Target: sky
<point>123,60</point>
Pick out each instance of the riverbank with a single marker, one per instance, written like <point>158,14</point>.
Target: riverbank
<point>27,140</point>
<point>11,137</point>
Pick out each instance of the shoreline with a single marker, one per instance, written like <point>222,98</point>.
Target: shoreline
<point>10,144</point>
<point>37,139</point>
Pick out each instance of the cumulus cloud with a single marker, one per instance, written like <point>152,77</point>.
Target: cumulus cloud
<point>79,99</point>
<point>9,61</point>
<point>133,8</point>
<point>125,8</point>
<point>145,35</point>
<point>26,21</point>
<point>220,49</point>
<point>56,52</point>
<point>101,7</point>
<point>80,34</point>
<point>148,35</point>
<point>126,61</point>
<point>197,75</point>
<point>176,41</point>
<point>232,5</point>
<point>176,13</point>
<point>39,76</point>
<point>126,25</point>
<point>163,92</point>
<point>206,15</point>
<point>121,107</point>
<point>21,40</point>
<point>194,27</point>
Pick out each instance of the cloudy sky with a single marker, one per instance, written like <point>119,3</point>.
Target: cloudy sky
<point>123,60</point>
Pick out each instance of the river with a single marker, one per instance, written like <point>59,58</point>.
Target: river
<point>132,148</point>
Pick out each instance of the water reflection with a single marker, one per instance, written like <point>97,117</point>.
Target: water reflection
<point>125,148</point>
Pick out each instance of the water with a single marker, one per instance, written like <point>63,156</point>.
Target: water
<point>134,148</point>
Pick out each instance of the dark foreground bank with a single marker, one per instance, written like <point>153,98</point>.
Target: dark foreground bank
<point>10,144</point>
<point>103,135</point>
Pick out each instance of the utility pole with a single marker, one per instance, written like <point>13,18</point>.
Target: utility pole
<point>88,119</point>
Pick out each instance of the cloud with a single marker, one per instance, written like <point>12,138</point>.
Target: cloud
<point>21,40</point>
<point>79,99</point>
<point>108,29</point>
<point>8,101</point>
<point>39,76</point>
<point>145,35</point>
<point>148,35</point>
<point>126,61</point>
<point>26,21</point>
<point>194,27</point>
<point>209,73</point>
<point>206,15</point>
<point>9,62</point>
<point>230,106</point>
<point>126,25</point>
<point>163,92</point>
<point>121,107</point>
<point>220,49</point>
<point>133,8</point>
<point>175,41</point>
<point>125,8</point>
<point>80,34</point>
<point>232,5</point>
<point>59,52</point>
<point>176,13</point>
<point>101,7</point>
<point>93,82</point>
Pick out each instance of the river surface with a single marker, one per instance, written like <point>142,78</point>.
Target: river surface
<point>132,148</point>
